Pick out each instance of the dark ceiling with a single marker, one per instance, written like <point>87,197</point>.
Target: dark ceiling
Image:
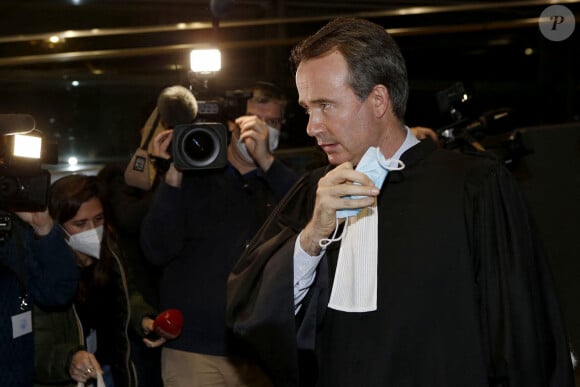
<point>127,37</point>
<point>122,53</point>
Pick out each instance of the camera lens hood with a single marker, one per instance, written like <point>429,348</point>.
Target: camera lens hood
<point>199,146</point>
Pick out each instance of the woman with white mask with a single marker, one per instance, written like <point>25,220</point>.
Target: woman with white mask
<point>89,339</point>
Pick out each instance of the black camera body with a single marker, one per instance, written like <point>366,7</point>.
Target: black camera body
<point>24,185</point>
<point>492,131</point>
<point>24,190</point>
<point>199,146</point>
<point>227,108</point>
<point>204,144</point>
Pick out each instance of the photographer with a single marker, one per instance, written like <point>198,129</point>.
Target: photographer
<point>130,196</point>
<point>36,267</point>
<point>197,227</point>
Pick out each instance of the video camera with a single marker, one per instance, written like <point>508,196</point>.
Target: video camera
<point>222,109</point>
<point>24,185</point>
<point>492,132</point>
<point>203,144</point>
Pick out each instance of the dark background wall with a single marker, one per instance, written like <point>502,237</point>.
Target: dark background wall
<point>550,178</point>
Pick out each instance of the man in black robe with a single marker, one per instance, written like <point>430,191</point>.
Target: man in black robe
<point>438,281</point>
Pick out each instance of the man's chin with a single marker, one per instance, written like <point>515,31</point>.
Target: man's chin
<point>335,158</point>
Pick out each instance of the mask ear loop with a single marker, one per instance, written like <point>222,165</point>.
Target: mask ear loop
<point>324,242</point>
<point>385,163</point>
<point>66,234</point>
<point>388,163</point>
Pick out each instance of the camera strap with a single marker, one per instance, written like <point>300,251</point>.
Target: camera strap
<point>147,140</point>
<point>19,267</point>
<point>23,297</point>
<point>140,172</point>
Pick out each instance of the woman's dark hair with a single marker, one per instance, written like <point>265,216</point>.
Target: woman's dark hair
<point>66,197</point>
<point>372,56</point>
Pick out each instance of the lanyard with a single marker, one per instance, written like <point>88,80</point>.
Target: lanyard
<point>23,296</point>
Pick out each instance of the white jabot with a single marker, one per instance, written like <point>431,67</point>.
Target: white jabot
<point>355,282</point>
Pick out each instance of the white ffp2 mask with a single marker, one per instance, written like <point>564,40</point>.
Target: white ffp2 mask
<point>87,242</point>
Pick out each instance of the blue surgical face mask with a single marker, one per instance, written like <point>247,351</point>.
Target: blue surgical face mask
<point>376,167</point>
<point>243,150</point>
<point>273,139</point>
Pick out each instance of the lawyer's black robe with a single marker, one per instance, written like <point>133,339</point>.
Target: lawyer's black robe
<point>465,296</point>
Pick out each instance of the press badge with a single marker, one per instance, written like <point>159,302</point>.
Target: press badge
<point>21,324</point>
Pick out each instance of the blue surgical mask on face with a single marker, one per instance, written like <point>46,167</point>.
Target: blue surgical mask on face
<point>243,151</point>
<point>273,139</point>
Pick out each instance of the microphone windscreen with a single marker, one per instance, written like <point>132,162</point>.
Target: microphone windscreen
<point>221,8</point>
<point>168,324</point>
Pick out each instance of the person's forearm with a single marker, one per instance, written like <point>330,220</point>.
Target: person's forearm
<point>173,177</point>
<point>310,240</point>
<point>53,273</point>
<point>280,178</point>
<point>304,272</point>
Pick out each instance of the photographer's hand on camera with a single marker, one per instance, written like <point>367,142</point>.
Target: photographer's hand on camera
<point>162,154</point>
<point>40,221</point>
<point>254,132</point>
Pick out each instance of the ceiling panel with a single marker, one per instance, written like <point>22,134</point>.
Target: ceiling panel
<point>122,53</point>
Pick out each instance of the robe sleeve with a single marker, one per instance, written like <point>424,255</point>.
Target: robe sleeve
<point>260,298</point>
<point>522,327</point>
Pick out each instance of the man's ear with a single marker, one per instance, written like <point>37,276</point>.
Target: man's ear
<point>381,100</point>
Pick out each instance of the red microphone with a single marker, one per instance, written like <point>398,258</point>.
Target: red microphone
<point>168,324</point>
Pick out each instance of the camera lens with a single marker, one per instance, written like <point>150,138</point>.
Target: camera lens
<point>198,145</point>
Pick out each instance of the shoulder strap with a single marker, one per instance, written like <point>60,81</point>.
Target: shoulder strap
<point>151,131</point>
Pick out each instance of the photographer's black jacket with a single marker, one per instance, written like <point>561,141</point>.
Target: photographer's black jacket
<point>196,233</point>
<point>465,296</point>
<point>44,268</point>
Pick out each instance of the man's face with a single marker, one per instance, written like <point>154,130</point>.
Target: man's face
<point>269,112</point>
<point>340,122</point>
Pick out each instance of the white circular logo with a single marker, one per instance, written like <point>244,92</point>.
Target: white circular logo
<point>557,23</point>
